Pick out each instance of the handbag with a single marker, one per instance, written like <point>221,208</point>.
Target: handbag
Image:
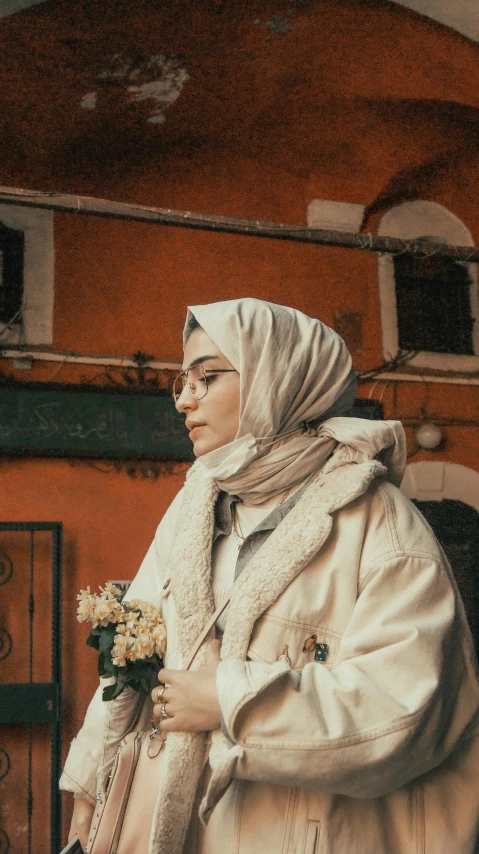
<point>125,804</point>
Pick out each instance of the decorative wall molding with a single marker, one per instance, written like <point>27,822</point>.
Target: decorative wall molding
<point>38,278</point>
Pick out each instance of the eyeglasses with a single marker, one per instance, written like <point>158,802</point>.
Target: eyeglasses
<point>197,379</point>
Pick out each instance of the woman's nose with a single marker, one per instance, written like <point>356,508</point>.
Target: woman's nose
<point>186,401</point>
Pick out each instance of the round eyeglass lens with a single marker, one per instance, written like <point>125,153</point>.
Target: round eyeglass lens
<point>197,381</point>
<point>195,378</point>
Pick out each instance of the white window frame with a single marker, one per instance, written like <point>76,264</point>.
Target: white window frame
<point>38,275</point>
<point>412,220</point>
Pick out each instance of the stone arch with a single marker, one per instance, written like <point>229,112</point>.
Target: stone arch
<point>436,481</point>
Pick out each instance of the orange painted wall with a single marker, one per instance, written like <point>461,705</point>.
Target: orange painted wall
<point>357,100</point>
<point>109,522</point>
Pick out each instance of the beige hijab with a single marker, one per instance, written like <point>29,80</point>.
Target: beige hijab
<point>293,370</point>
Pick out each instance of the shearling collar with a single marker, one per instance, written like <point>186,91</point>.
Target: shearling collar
<point>290,547</point>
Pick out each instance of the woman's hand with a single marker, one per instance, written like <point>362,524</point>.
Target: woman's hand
<point>190,698</point>
<point>81,821</point>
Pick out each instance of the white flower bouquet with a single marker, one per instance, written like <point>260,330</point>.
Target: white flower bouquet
<point>129,636</point>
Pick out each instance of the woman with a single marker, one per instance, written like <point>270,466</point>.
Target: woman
<point>344,710</point>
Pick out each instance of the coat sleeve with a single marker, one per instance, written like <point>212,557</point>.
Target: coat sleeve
<point>106,723</point>
<point>383,715</point>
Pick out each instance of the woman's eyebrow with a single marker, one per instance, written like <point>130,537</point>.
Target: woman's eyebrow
<point>199,361</point>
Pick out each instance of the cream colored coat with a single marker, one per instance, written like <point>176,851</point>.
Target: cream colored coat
<point>376,749</point>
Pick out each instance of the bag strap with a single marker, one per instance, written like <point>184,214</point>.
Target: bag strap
<point>205,632</point>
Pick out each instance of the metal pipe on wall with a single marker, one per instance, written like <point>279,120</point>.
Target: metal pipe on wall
<point>89,206</point>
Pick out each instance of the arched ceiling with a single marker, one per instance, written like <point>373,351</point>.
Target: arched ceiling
<point>460,15</point>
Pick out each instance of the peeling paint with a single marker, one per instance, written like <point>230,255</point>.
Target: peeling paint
<point>89,101</point>
<point>278,25</point>
<point>164,91</point>
<point>157,78</point>
<point>21,829</point>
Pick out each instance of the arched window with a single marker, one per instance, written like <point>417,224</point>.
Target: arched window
<point>433,303</point>
<point>429,305</point>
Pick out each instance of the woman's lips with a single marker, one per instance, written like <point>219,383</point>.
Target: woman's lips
<point>194,431</point>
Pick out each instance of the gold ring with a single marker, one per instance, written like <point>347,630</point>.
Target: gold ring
<point>159,694</point>
<point>163,712</point>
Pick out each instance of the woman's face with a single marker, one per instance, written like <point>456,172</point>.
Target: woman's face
<point>212,421</point>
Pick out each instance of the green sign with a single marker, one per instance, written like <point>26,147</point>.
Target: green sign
<point>41,420</point>
<point>82,421</point>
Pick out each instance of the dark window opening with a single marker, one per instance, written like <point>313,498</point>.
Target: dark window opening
<point>433,305</point>
<point>456,526</point>
<point>11,274</point>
